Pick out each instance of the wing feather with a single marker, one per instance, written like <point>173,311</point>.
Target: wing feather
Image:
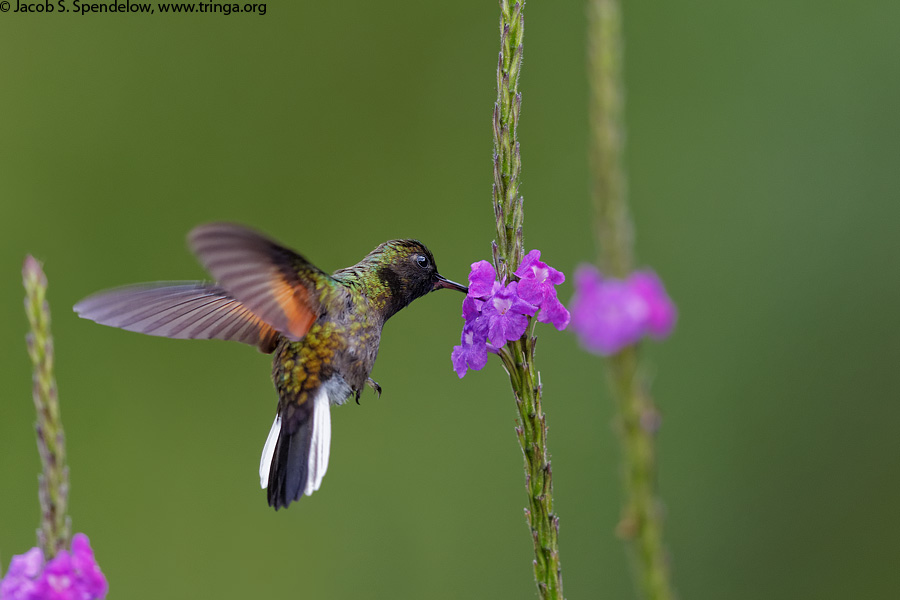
<point>179,310</point>
<point>274,283</point>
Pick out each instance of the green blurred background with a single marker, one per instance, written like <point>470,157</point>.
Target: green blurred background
<point>763,159</point>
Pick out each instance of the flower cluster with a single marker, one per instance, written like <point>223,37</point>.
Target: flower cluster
<point>67,576</point>
<point>610,314</point>
<point>497,312</point>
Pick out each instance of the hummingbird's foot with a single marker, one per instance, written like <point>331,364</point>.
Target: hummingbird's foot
<point>374,385</point>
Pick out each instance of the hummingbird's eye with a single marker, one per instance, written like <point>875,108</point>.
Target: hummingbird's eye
<point>423,261</point>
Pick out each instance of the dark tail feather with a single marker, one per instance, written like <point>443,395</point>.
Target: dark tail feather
<point>289,470</point>
<point>295,456</point>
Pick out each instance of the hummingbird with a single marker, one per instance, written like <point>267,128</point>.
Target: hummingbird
<point>324,330</point>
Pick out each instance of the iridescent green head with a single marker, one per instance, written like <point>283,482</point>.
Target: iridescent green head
<point>397,272</point>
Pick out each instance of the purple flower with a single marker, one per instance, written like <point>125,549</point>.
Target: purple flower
<point>20,581</point>
<point>497,313</point>
<point>68,576</point>
<point>537,286</point>
<point>610,314</point>
<point>91,578</point>
<point>472,352</point>
<point>59,581</point>
<point>482,279</point>
<point>662,312</point>
<point>552,311</point>
<point>471,308</point>
<point>506,314</point>
<point>537,277</point>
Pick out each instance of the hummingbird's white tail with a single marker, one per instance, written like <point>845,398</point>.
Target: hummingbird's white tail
<point>320,448</point>
<point>265,463</point>
<point>293,463</point>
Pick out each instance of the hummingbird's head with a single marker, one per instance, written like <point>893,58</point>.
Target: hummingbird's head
<point>405,270</point>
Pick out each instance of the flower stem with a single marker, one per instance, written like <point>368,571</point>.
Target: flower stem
<point>507,161</point>
<point>614,230</point>
<point>638,417</point>
<point>641,522</point>
<point>518,356</point>
<point>53,482</point>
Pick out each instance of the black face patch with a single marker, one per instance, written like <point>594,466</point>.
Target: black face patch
<point>392,279</point>
<point>407,278</point>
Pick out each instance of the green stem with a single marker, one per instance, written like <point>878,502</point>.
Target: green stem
<point>508,208</point>
<point>614,231</point>
<point>532,434</point>
<point>639,420</point>
<point>53,482</point>
<point>641,522</point>
<point>518,356</point>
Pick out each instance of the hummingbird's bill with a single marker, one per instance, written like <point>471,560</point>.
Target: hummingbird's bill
<point>443,282</point>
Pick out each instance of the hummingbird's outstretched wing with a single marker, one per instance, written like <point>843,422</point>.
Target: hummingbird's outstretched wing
<point>276,284</point>
<point>180,310</point>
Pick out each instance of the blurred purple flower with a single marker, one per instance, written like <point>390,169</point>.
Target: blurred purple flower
<point>71,575</point>
<point>610,314</point>
<point>662,312</point>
